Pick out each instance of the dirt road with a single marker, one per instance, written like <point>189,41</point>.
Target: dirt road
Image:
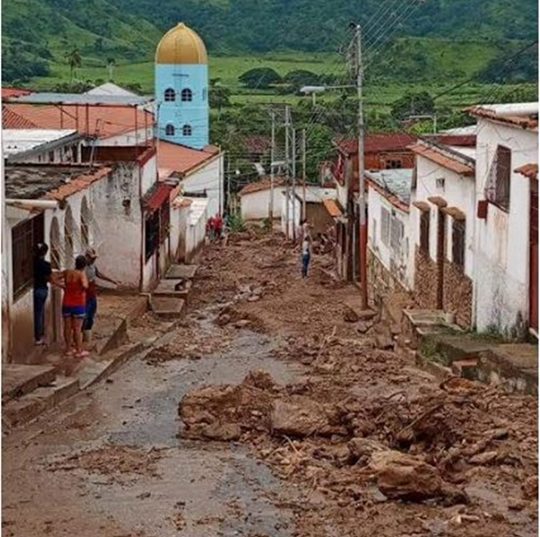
<point>388,452</point>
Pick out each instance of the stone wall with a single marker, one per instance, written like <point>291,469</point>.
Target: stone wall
<point>425,280</point>
<point>457,294</point>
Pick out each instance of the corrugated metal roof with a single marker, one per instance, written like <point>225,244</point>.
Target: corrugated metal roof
<point>81,99</point>
<point>16,141</point>
<point>395,182</point>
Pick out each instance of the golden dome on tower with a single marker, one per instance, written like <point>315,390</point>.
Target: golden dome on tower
<point>181,45</point>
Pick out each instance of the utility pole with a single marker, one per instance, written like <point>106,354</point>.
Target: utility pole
<point>304,175</point>
<point>361,178</point>
<point>287,171</point>
<point>272,158</point>
<point>294,183</point>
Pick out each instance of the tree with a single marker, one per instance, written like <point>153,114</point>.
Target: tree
<point>413,104</point>
<point>260,77</point>
<point>219,95</point>
<point>301,77</point>
<point>74,61</point>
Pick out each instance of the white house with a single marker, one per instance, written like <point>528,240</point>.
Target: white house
<point>200,172</point>
<point>389,231</point>
<point>71,207</point>
<point>255,199</point>
<point>506,241</point>
<point>42,145</point>
<point>442,228</point>
<point>188,226</point>
<point>316,213</point>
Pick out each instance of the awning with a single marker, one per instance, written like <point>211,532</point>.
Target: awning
<point>157,196</point>
<point>333,208</point>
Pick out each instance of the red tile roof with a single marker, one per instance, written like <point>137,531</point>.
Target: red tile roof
<point>525,122</point>
<point>444,158</point>
<point>81,182</point>
<point>157,195</point>
<point>529,170</point>
<point>376,143</point>
<point>14,92</point>
<point>175,158</point>
<point>458,140</point>
<point>12,120</point>
<point>259,186</point>
<point>106,120</point>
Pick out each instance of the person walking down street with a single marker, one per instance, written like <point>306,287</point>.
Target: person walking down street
<point>306,254</point>
<point>42,278</point>
<point>92,273</point>
<point>75,284</point>
<point>218,226</point>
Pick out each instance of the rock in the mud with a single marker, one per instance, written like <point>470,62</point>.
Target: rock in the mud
<point>530,487</point>
<point>222,412</point>
<point>260,379</point>
<point>223,319</point>
<point>487,457</point>
<point>363,326</point>
<point>362,449</point>
<point>401,476</point>
<point>242,323</point>
<point>350,316</point>
<point>301,416</point>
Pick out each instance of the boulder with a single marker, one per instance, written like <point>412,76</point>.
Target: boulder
<point>301,416</point>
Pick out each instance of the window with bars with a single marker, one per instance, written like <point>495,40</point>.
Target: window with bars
<point>424,231</point>
<point>187,95</point>
<point>187,130</point>
<point>458,243</point>
<point>25,237</point>
<point>498,190</point>
<point>170,95</point>
<point>385,226</point>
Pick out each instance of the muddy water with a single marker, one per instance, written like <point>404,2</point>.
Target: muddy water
<point>195,489</point>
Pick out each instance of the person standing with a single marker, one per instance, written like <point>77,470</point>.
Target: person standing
<point>92,273</point>
<point>75,284</point>
<point>218,226</point>
<point>306,254</point>
<point>42,277</point>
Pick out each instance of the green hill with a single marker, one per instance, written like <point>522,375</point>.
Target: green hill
<point>438,38</point>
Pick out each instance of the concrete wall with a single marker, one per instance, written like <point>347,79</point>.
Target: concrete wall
<point>255,205</point>
<point>398,261</point>
<point>130,138</point>
<point>208,178</point>
<point>502,240</point>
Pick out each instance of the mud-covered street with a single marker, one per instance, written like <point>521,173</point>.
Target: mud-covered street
<point>270,410</point>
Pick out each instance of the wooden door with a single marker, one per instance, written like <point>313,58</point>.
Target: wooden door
<point>533,260</point>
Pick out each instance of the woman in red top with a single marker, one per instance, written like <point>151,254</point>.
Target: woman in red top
<point>74,306</point>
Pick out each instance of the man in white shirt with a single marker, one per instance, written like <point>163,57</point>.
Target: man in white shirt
<point>306,254</point>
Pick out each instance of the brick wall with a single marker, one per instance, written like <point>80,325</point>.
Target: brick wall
<point>457,294</point>
<point>425,280</point>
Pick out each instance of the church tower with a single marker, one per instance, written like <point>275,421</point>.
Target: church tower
<point>182,88</point>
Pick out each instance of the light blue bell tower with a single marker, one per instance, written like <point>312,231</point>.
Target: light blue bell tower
<point>181,81</point>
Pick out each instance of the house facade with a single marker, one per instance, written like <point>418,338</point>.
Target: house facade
<point>390,263</point>
<point>506,275</point>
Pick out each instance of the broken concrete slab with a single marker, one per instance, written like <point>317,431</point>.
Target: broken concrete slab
<point>167,307</point>
<point>20,379</point>
<point>182,271</point>
<point>31,405</point>
<point>178,288</point>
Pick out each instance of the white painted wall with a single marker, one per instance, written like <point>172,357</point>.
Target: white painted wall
<point>210,178</point>
<point>502,240</point>
<point>255,205</point>
<point>398,261</point>
<point>458,191</point>
<point>130,138</point>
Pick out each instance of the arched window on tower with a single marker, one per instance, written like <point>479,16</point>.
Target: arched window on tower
<point>169,130</point>
<point>170,95</point>
<point>187,130</point>
<point>187,95</point>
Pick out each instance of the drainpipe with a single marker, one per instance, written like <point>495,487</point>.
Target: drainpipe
<point>33,204</point>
